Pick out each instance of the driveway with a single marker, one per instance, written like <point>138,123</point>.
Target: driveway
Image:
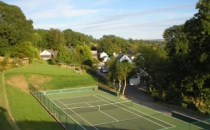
<point>138,95</point>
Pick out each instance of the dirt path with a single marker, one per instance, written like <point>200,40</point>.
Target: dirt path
<point>7,103</point>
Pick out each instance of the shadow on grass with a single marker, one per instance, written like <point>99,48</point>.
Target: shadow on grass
<point>4,122</point>
<point>41,125</point>
<point>44,125</point>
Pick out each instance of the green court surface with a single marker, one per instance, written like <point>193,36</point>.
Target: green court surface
<point>97,110</point>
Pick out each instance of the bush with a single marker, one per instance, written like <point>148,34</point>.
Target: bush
<point>192,106</point>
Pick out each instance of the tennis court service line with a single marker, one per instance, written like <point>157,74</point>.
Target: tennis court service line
<point>82,102</point>
<point>104,123</point>
<point>118,106</point>
<point>138,114</point>
<point>104,113</point>
<point>80,116</point>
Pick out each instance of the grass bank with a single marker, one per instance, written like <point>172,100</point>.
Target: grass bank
<point>5,120</point>
<point>27,112</point>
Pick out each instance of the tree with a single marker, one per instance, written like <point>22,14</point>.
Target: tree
<point>119,71</point>
<point>63,55</point>
<point>153,60</point>
<point>197,30</point>
<point>55,39</point>
<point>36,39</point>
<point>189,58</point>
<point>84,54</point>
<point>14,26</point>
<point>25,50</point>
<point>176,41</point>
<point>43,41</point>
<point>126,68</point>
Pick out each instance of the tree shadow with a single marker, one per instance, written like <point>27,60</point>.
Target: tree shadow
<point>5,124</point>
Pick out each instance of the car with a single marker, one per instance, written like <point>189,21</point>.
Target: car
<point>104,69</point>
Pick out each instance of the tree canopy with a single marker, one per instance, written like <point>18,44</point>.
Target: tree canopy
<point>14,26</point>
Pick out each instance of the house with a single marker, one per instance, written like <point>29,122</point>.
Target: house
<point>134,80</point>
<point>46,54</point>
<point>103,57</point>
<point>94,54</point>
<point>122,57</point>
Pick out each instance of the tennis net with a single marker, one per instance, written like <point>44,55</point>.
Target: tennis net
<point>114,105</point>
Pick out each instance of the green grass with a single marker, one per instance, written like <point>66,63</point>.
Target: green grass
<point>27,112</point>
<point>5,123</point>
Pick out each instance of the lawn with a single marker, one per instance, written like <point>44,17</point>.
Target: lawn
<point>5,122</point>
<point>27,112</point>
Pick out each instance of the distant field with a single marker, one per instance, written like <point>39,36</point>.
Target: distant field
<point>27,112</point>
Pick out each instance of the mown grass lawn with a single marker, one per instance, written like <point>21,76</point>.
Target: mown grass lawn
<point>27,112</point>
<point>5,122</point>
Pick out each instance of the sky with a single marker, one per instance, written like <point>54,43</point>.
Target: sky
<point>135,19</point>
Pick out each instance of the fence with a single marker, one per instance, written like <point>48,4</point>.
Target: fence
<point>62,117</point>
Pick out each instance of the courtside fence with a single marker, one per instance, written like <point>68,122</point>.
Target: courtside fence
<point>63,118</point>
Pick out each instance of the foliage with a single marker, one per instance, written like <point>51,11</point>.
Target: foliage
<point>119,71</point>
<point>14,26</point>
<point>63,55</point>
<point>43,42</point>
<point>84,54</point>
<point>55,38</point>
<point>75,38</point>
<point>25,50</point>
<point>112,44</point>
<point>189,58</point>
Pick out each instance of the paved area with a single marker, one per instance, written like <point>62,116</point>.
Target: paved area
<point>138,95</point>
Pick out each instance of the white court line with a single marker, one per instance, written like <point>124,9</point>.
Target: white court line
<point>70,117</point>
<point>118,106</point>
<point>167,128</point>
<point>138,114</point>
<point>61,91</point>
<point>145,113</point>
<point>73,97</point>
<point>81,117</point>
<point>105,113</point>
<point>117,121</point>
<point>83,102</point>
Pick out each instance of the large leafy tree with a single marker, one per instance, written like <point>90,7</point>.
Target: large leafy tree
<point>25,50</point>
<point>189,58</point>
<point>55,39</point>
<point>153,59</point>
<point>119,71</point>
<point>42,43</point>
<point>14,26</point>
<point>84,54</point>
<point>198,33</point>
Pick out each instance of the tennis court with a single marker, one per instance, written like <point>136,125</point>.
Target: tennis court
<point>87,109</point>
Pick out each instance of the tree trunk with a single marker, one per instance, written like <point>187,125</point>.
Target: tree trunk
<point>119,88</point>
<point>124,87</point>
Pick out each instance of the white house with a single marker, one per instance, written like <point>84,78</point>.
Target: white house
<point>45,55</point>
<point>134,80</point>
<point>104,56</point>
<point>122,57</point>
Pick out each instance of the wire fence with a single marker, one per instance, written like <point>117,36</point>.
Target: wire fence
<point>61,116</point>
